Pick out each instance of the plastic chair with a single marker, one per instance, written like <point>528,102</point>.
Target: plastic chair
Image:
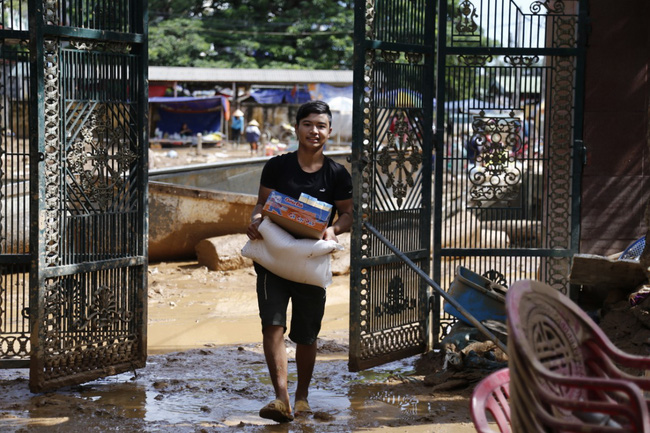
<point>492,395</point>
<point>564,371</point>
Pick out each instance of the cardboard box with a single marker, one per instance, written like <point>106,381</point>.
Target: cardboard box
<point>304,218</point>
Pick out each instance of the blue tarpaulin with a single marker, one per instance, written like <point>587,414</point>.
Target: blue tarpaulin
<point>201,114</point>
<point>279,96</point>
<point>326,92</point>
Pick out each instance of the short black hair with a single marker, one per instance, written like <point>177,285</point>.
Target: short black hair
<point>311,107</point>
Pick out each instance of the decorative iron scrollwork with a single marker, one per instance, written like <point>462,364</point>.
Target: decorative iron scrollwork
<point>560,143</point>
<point>100,46</point>
<point>495,176</point>
<point>401,157</point>
<point>103,311</point>
<point>98,171</point>
<point>467,18</point>
<point>390,56</point>
<point>51,155</point>
<point>84,45</point>
<point>370,19</point>
<point>496,277</point>
<point>526,61</point>
<point>367,147</point>
<point>396,301</point>
<point>414,58</point>
<point>551,6</point>
<point>474,60</point>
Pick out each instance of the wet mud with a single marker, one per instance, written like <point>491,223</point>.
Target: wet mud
<point>222,389</point>
<point>206,373</point>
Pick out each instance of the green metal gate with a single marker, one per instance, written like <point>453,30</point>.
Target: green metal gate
<point>392,130</point>
<point>87,177</point>
<point>509,153</point>
<point>16,95</point>
<point>507,157</point>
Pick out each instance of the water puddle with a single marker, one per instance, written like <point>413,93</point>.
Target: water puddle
<point>222,388</point>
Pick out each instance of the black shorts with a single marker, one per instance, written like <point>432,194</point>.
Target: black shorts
<point>307,301</point>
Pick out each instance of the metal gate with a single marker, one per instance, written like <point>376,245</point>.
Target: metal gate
<point>392,131</point>
<point>15,260</point>
<point>87,177</point>
<point>509,153</point>
<point>507,157</point>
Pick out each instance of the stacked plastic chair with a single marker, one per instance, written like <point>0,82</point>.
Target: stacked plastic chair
<point>565,374</point>
<point>491,396</point>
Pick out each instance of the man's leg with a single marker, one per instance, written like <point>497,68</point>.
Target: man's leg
<point>305,361</point>
<point>275,353</point>
<point>308,307</point>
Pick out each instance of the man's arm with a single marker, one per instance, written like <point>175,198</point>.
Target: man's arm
<point>256,216</point>
<point>343,222</point>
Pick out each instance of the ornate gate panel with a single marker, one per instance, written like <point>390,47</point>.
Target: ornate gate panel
<point>391,171</point>
<point>14,195</point>
<point>88,296</point>
<point>509,153</point>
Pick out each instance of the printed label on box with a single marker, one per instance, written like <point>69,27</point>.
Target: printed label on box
<point>298,216</point>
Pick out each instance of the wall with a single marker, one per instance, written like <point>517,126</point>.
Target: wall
<point>615,189</point>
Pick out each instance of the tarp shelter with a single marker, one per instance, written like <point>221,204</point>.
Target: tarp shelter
<point>204,115</point>
<point>279,96</point>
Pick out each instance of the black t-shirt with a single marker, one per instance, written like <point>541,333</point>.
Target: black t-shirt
<point>284,174</point>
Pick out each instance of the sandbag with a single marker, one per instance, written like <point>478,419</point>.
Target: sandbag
<point>301,260</point>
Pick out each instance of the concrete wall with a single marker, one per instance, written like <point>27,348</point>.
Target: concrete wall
<point>616,183</point>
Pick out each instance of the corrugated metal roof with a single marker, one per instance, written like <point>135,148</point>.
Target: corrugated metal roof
<point>252,76</point>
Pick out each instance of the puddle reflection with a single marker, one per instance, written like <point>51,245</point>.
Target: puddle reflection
<point>224,389</point>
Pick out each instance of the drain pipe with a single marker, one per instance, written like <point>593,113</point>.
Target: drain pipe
<point>466,314</point>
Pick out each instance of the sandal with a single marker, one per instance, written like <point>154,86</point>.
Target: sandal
<point>277,411</point>
<point>301,407</point>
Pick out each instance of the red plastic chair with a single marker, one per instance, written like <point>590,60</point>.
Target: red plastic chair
<point>492,395</point>
<point>565,374</point>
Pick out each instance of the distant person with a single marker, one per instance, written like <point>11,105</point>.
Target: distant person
<point>473,147</point>
<point>253,134</point>
<point>185,131</point>
<point>237,126</point>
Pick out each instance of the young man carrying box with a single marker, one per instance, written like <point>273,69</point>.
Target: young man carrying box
<point>310,172</point>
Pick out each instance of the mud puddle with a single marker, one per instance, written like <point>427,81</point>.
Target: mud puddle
<point>222,389</point>
<point>206,373</point>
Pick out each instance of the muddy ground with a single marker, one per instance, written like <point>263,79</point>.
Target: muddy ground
<point>206,370</point>
<point>206,373</point>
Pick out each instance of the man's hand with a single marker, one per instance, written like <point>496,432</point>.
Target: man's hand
<point>329,235</point>
<point>252,232</point>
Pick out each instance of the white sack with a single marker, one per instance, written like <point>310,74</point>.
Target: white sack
<point>301,260</point>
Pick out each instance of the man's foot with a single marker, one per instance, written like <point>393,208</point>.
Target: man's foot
<point>301,408</point>
<point>277,411</point>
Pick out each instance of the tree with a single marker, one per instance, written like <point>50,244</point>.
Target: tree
<point>288,34</point>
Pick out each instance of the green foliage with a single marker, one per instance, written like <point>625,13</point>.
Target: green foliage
<point>288,34</point>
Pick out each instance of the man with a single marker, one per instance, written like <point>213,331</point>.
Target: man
<point>308,171</point>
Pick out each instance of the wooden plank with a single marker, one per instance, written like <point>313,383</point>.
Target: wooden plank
<point>599,272</point>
